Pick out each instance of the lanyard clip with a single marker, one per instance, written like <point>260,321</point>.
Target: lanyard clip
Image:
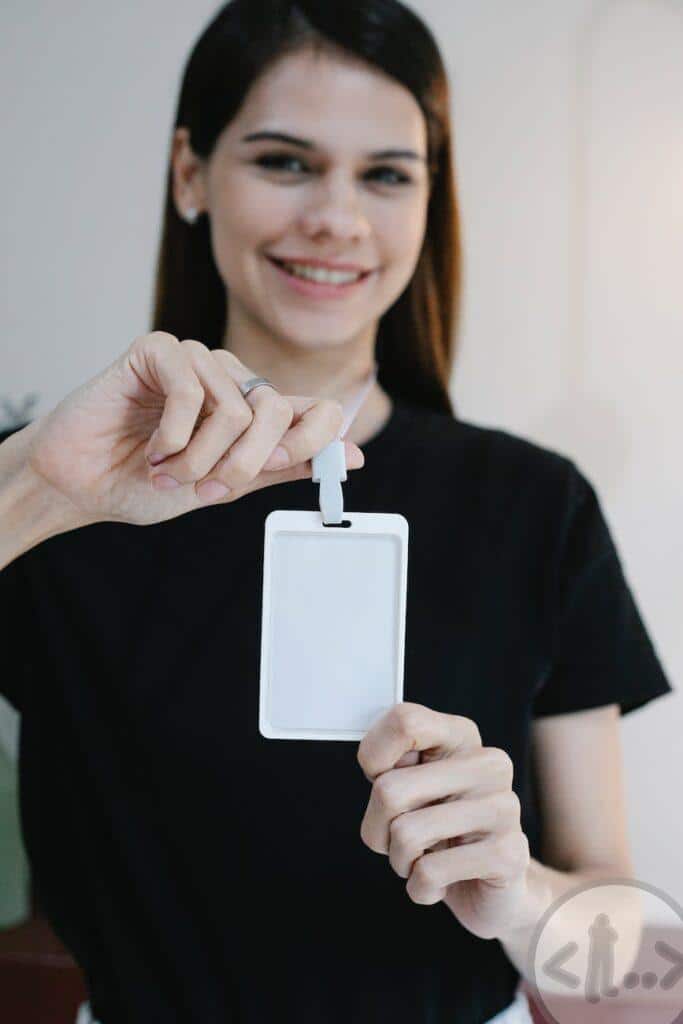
<point>329,465</point>
<point>329,470</point>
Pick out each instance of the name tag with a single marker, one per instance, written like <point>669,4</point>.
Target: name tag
<point>333,623</point>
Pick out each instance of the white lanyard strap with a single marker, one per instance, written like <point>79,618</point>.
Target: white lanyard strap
<point>329,465</point>
<point>352,407</point>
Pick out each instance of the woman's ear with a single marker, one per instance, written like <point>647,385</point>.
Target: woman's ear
<point>189,192</point>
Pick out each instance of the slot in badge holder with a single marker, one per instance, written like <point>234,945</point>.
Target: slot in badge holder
<point>333,614</point>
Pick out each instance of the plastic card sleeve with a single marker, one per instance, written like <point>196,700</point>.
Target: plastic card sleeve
<point>333,623</point>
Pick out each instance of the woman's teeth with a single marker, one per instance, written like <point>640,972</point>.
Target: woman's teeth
<point>319,274</point>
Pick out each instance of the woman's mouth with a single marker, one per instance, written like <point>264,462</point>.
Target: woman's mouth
<point>325,289</point>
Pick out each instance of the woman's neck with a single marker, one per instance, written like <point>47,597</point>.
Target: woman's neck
<point>372,416</point>
<point>331,373</point>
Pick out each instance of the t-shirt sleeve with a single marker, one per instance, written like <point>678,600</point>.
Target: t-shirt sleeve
<point>17,638</point>
<point>17,635</point>
<point>601,652</point>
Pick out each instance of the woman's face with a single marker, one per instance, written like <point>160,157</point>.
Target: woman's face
<point>325,197</point>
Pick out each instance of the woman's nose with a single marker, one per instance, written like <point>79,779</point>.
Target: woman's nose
<point>338,211</point>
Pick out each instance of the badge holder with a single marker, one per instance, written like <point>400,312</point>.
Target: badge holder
<point>333,613</point>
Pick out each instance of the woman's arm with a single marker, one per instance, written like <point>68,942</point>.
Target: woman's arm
<point>578,763</point>
<point>30,510</point>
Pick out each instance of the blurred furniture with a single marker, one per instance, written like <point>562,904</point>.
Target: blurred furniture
<point>40,982</point>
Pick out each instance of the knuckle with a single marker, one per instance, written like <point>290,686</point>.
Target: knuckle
<point>423,873</point>
<point>243,417</point>
<point>226,357</point>
<point>402,834</point>
<point>361,757</point>
<point>501,762</point>
<point>235,417</point>
<point>469,729</point>
<point>161,337</point>
<point>369,838</point>
<point>153,339</point>
<point>239,469</point>
<point>191,345</point>
<point>386,792</point>
<point>190,392</point>
<point>472,730</point>
<point>514,806</point>
<point>282,409</point>
<point>404,719</point>
<point>506,809</point>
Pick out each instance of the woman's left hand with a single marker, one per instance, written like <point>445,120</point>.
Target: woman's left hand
<point>442,807</point>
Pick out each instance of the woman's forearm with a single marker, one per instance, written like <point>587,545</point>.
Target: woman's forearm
<point>30,510</point>
<point>570,922</point>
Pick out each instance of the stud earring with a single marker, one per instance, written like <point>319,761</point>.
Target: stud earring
<point>190,214</point>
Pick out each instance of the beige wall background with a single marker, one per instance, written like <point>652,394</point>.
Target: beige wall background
<point>569,147</point>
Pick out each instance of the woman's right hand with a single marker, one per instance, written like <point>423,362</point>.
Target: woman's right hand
<point>180,401</point>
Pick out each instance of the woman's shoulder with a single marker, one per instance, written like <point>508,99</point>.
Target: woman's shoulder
<point>496,455</point>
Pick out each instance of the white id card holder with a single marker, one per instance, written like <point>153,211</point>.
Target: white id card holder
<point>333,623</point>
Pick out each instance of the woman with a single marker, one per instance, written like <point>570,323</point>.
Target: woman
<point>197,870</point>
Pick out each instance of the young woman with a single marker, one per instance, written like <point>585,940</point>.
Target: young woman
<point>197,870</point>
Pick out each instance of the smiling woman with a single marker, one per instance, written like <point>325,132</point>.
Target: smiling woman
<point>197,869</point>
<point>278,172</point>
<point>335,213</point>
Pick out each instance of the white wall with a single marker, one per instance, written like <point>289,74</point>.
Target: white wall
<point>569,147</point>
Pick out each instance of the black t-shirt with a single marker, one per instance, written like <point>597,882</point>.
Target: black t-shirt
<point>201,872</point>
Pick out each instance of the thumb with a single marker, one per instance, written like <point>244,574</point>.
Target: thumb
<point>279,458</point>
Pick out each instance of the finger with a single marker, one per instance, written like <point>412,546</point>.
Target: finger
<point>498,859</point>
<point>354,459</point>
<point>304,470</point>
<point>158,356</point>
<point>408,726</point>
<point>413,834</point>
<point>401,790</point>
<point>316,422</point>
<point>238,467</point>
<point>226,416</point>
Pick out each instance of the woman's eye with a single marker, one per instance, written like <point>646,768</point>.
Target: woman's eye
<point>400,179</point>
<point>277,162</point>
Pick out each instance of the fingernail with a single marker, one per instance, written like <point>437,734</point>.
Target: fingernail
<point>212,489</point>
<point>162,482</point>
<point>278,460</point>
<point>355,455</point>
<point>154,460</point>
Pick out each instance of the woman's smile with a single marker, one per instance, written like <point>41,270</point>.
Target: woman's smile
<point>318,289</point>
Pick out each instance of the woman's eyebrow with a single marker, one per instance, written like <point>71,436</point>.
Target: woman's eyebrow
<point>383,154</point>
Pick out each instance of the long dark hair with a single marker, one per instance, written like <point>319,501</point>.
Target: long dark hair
<point>415,342</point>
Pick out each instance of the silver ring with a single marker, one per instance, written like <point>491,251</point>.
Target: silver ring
<point>255,382</point>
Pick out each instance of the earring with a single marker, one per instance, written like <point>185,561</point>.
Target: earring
<point>190,214</point>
